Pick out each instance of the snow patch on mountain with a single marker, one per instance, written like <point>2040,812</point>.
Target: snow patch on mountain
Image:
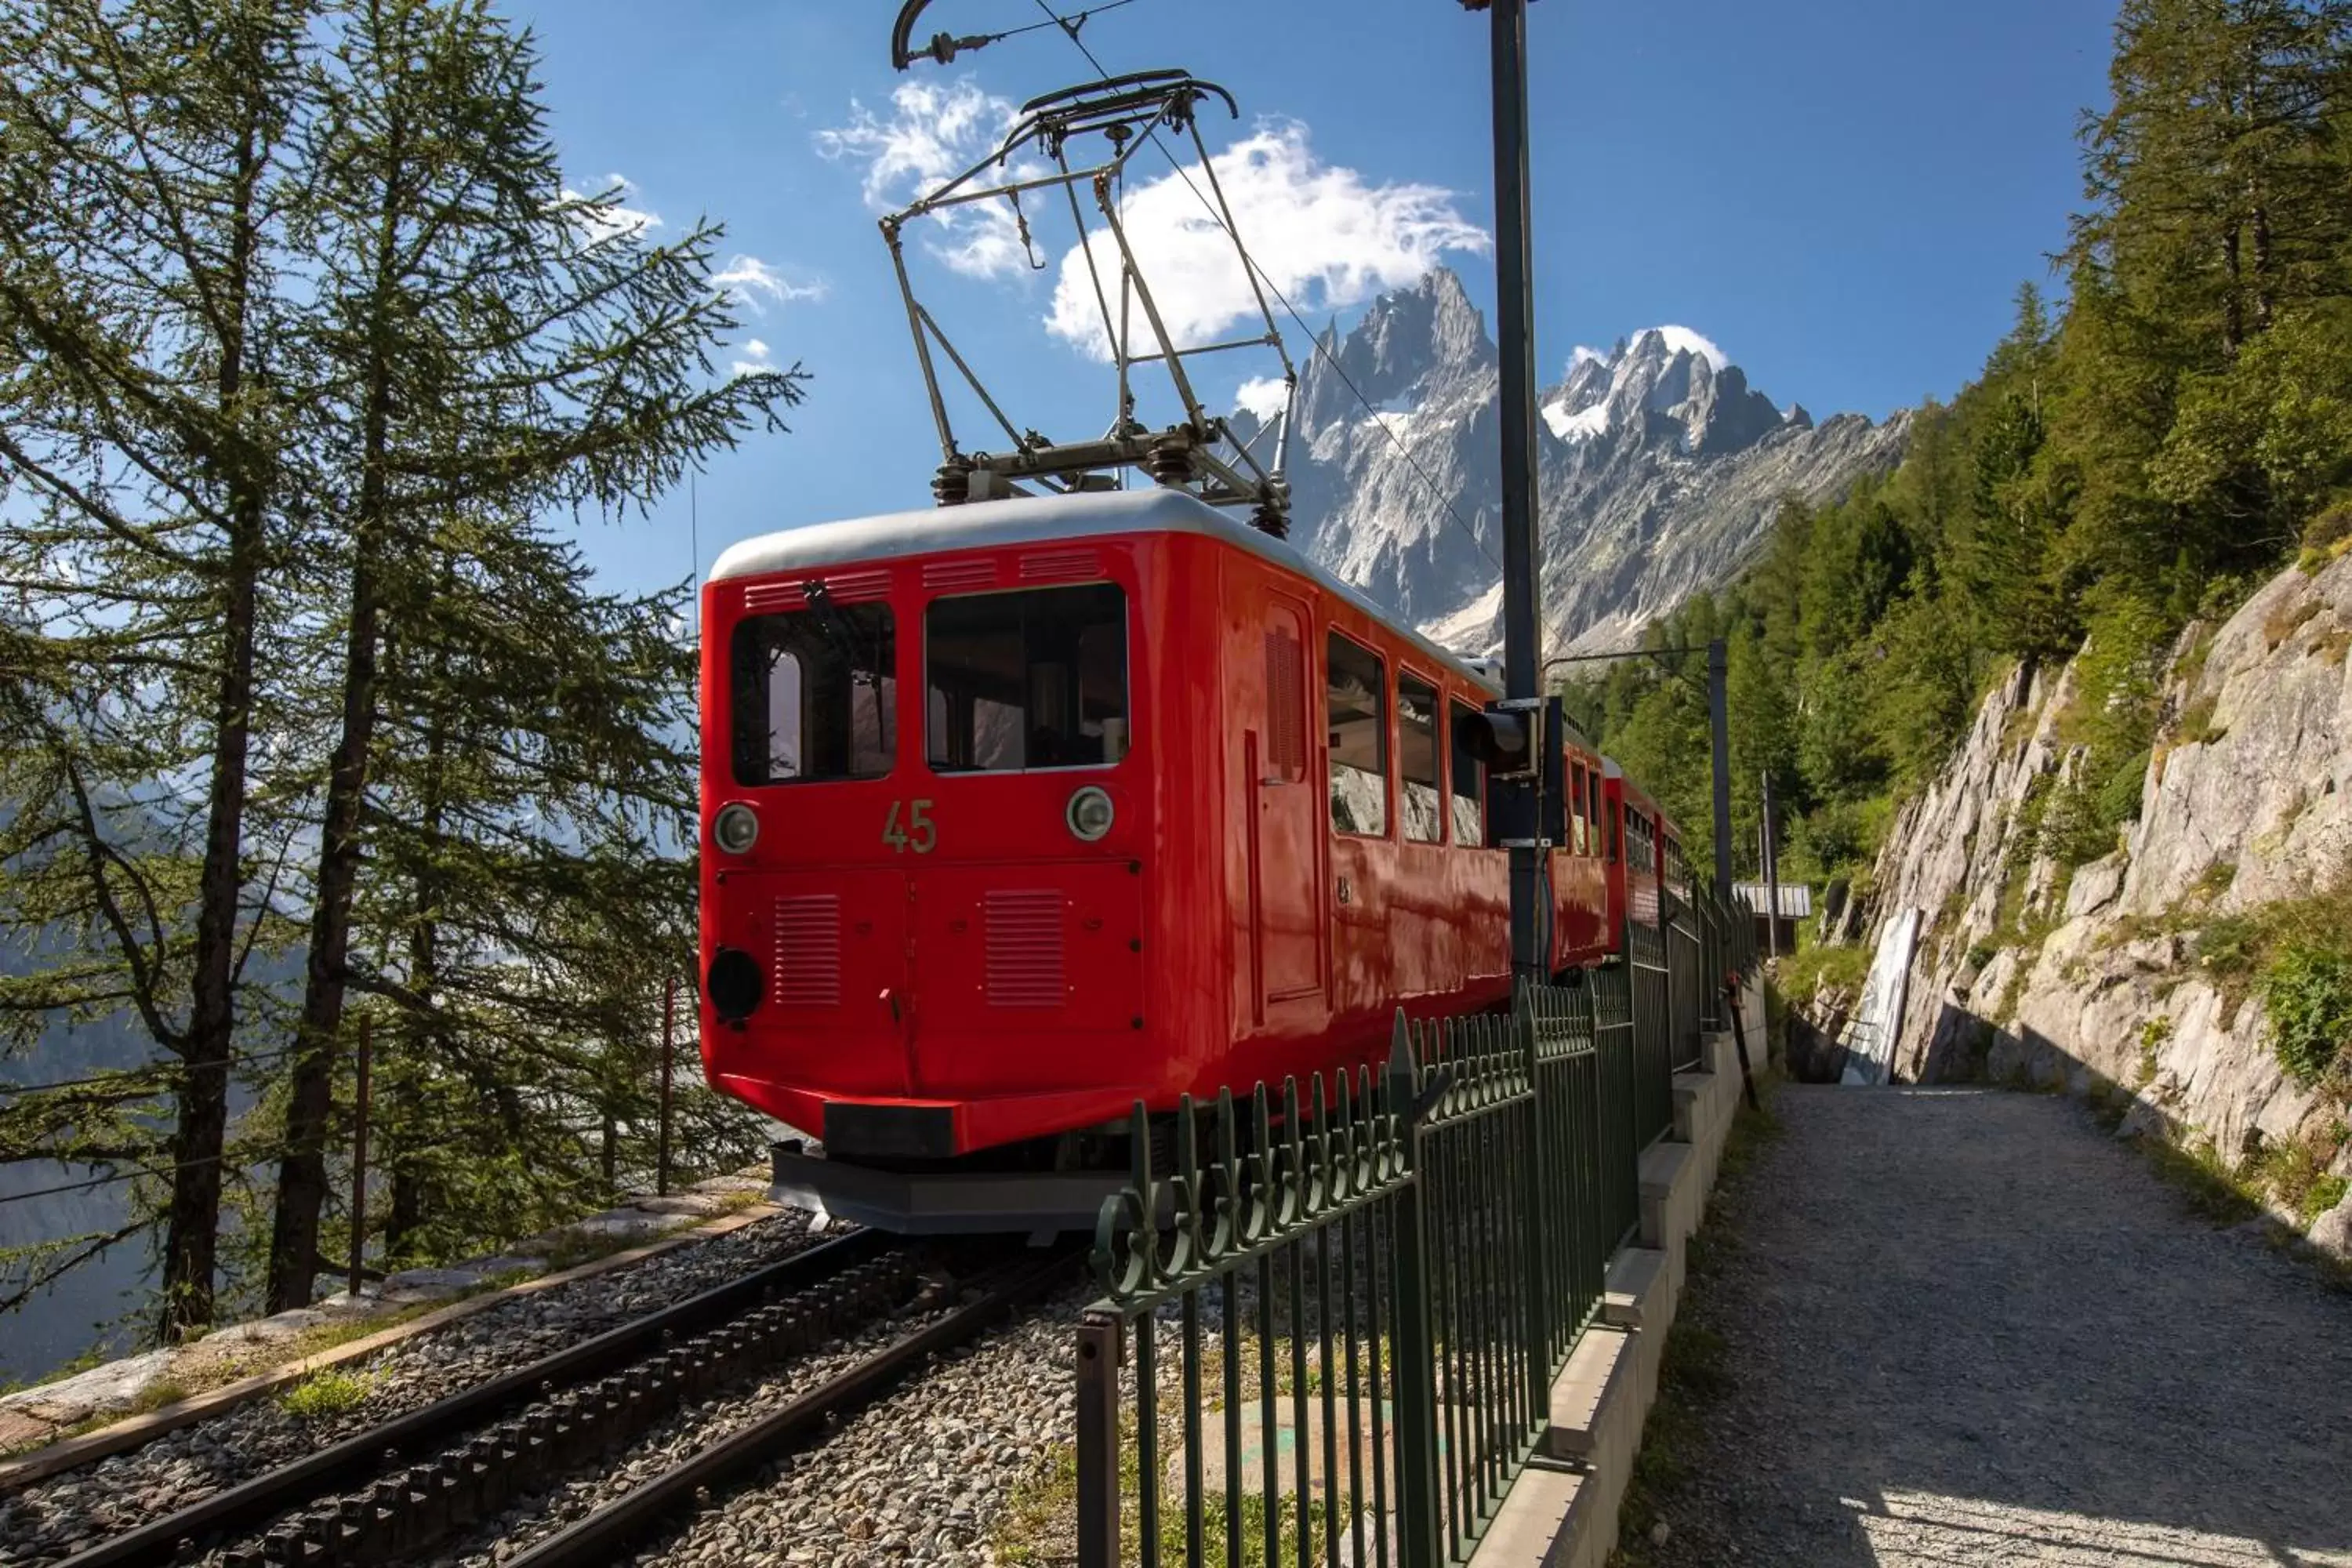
<point>1660,469</point>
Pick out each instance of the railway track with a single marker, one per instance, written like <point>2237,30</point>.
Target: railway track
<point>603,1535</point>
<point>388,1494</point>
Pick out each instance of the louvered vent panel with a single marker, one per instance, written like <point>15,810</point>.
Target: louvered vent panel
<point>771,596</point>
<point>1025,948</point>
<point>959,577</point>
<point>1057,565</point>
<point>1286,694</point>
<point>808,951</point>
<point>851,587</point>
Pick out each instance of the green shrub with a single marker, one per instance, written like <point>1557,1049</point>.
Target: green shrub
<point>2307,993</point>
<point>2324,1195</point>
<point>2118,798</point>
<point>329,1393</point>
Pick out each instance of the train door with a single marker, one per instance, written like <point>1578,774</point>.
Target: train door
<point>1285,826</point>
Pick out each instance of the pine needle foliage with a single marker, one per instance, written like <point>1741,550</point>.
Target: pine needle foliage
<point>311,367</point>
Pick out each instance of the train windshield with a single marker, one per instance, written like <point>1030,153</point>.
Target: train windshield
<point>1029,680</point>
<point>814,694</point>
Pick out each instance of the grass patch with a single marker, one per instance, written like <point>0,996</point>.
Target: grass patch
<point>328,1392</point>
<point>1695,1369</point>
<point>1037,1527</point>
<point>2296,955</point>
<point>2286,620</point>
<point>2152,1036</point>
<point>1839,966</point>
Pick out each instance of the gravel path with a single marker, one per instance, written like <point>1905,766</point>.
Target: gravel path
<point>1964,1328</point>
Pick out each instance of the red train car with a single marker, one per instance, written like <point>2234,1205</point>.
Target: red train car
<point>1018,812</point>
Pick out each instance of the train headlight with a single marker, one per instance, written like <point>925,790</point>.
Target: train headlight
<point>1089,813</point>
<point>736,827</point>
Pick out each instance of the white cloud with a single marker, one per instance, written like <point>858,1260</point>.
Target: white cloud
<point>1326,235</point>
<point>603,222</point>
<point>755,359</point>
<point>1320,232</point>
<point>1579,354</point>
<point>934,132</point>
<point>1263,396</point>
<point>750,280</point>
<point>1681,339</point>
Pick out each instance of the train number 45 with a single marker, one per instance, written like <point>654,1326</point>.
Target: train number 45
<point>915,831</point>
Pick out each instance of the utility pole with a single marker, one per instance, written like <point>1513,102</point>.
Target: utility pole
<point>1771,869</point>
<point>1515,323</point>
<point>1719,666</point>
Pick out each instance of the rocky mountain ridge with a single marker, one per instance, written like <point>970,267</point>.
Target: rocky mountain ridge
<point>1660,470</point>
<point>2098,976</point>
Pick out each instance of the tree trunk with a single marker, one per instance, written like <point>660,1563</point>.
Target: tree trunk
<point>2233,320</point>
<point>2262,268</point>
<point>193,1227</point>
<point>302,1171</point>
<point>302,1174</point>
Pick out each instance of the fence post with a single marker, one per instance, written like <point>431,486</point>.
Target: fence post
<point>668,1057</point>
<point>1538,1229</point>
<point>1416,1354</point>
<point>1098,1341</point>
<point>359,1164</point>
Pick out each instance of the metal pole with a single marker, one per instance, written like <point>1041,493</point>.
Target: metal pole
<point>668,1057</point>
<point>358,1164</point>
<point>1515,320</point>
<point>1717,704</point>
<point>1772,874</point>
<point>1098,1344</point>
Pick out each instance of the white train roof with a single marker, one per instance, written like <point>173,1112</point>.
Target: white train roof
<point>1036,520</point>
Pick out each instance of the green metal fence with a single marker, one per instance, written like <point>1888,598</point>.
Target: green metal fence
<point>1341,1349</point>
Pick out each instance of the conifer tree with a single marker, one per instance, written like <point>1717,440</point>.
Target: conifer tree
<point>148,417</point>
<point>487,345</point>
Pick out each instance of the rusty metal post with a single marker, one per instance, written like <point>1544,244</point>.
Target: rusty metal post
<point>358,1164</point>
<point>1098,1341</point>
<point>669,1060</point>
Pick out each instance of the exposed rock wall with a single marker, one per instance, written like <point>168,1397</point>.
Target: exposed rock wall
<point>2093,971</point>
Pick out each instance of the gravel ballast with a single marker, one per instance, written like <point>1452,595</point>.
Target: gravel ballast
<point>52,1519</point>
<point>1967,1328</point>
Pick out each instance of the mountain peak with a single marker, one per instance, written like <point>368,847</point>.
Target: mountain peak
<point>1662,468</point>
<point>1662,384</point>
<point>1408,338</point>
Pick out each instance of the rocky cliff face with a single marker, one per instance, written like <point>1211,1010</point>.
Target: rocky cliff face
<point>2092,976</point>
<point>1660,470</point>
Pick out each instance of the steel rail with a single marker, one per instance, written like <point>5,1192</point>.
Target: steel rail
<point>356,1459</point>
<point>601,1537</point>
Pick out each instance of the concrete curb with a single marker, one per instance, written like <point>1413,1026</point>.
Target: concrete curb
<point>1562,1510</point>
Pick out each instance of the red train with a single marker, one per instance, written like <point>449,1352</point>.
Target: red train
<point>1019,811</point>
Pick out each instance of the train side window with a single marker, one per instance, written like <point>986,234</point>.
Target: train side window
<point>1616,839</point>
<point>815,695</point>
<point>1356,717</point>
<point>1469,799</point>
<point>1035,679</point>
<point>1582,831</point>
<point>1420,800</point>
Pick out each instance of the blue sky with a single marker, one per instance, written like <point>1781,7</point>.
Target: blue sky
<point>1842,194</point>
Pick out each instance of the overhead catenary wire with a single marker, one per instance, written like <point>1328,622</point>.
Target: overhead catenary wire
<point>1281,299</point>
